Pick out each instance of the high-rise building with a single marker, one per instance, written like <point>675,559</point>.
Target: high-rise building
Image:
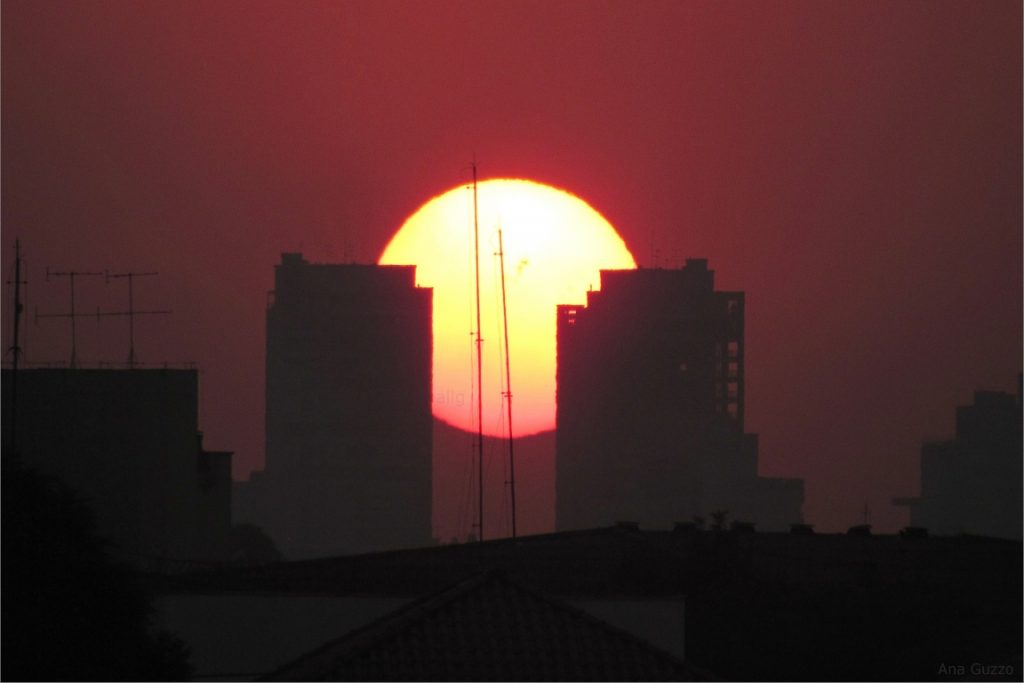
<point>348,418</point>
<point>651,407</point>
<point>972,483</point>
<point>128,443</point>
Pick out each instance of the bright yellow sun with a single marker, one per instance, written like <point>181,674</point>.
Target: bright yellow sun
<point>554,245</point>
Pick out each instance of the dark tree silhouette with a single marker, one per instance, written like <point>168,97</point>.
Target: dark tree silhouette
<point>69,612</point>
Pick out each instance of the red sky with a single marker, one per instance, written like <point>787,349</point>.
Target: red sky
<point>855,167</point>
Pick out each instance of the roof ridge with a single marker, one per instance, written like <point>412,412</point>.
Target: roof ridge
<point>394,624</point>
<point>419,605</point>
<point>558,603</point>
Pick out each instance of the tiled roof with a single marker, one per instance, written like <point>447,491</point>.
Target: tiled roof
<point>487,628</point>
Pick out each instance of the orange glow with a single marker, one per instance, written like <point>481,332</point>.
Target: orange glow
<point>555,244</point>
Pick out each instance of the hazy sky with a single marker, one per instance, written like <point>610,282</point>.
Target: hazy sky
<point>854,167</point>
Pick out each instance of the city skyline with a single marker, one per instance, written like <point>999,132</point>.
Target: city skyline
<point>856,170</point>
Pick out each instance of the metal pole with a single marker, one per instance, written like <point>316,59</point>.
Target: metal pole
<point>508,384</point>
<point>131,324</point>
<point>15,349</point>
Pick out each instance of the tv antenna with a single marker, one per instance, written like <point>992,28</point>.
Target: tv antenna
<point>131,312</point>
<point>15,347</point>
<point>508,385</point>
<point>70,275</point>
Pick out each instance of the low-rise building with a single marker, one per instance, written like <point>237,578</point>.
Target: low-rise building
<point>128,442</point>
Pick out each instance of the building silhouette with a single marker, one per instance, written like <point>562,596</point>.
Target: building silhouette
<point>348,414</point>
<point>127,442</point>
<point>972,483</point>
<point>651,407</point>
<point>737,605</point>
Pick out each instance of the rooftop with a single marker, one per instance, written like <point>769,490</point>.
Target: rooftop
<point>487,627</point>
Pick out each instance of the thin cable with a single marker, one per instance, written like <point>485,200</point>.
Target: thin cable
<point>479,359</point>
<point>508,383</point>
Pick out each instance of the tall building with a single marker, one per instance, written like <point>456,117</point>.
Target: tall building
<point>972,483</point>
<point>651,407</point>
<point>348,420</point>
<point>127,442</point>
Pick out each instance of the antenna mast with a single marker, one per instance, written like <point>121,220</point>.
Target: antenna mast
<point>16,344</point>
<point>131,312</point>
<point>508,385</point>
<point>71,275</point>
<point>15,348</point>
<point>479,367</point>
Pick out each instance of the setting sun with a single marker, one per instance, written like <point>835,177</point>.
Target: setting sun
<point>554,244</point>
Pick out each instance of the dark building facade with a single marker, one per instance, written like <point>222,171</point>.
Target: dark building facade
<point>128,443</point>
<point>972,483</point>
<point>348,419</point>
<point>745,606</point>
<point>651,407</point>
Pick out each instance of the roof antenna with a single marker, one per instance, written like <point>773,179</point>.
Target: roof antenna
<point>70,275</point>
<point>131,312</point>
<point>508,384</point>
<point>15,347</point>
